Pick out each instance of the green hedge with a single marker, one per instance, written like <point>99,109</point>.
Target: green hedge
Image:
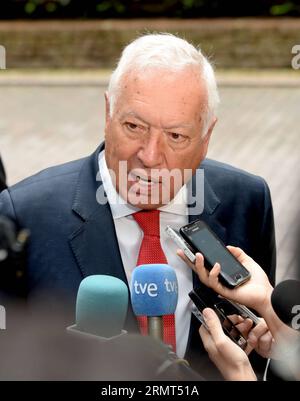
<point>50,9</point>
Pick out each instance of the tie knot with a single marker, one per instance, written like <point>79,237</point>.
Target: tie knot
<point>148,220</point>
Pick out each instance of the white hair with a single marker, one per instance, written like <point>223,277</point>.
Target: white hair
<point>165,51</point>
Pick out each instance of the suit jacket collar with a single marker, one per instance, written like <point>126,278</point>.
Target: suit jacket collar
<point>94,242</point>
<point>84,203</point>
<point>210,202</point>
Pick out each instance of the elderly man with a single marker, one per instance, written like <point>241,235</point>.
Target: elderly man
<point>106,214</point>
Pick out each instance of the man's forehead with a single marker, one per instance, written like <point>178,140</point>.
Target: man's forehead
<point>153,73</point>
<point>174,100</point>
<point>138,116</point>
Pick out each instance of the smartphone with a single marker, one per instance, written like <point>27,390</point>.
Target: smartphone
<point>245,312</point>
<point>199,316</point>
<point>202,239</point>
<point>181,243</point>
<point>226,313</point>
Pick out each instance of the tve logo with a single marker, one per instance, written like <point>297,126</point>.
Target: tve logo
<point>154,290</point>
<point>2,318</point>
<point>296,319</point>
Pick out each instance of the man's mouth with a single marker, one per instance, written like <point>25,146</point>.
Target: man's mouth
<point>139,178</point>
<point>146,179</point>
<point>143,179</point>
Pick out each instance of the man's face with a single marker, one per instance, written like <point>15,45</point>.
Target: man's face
<point>156,128</point>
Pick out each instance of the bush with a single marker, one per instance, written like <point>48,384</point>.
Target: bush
<point>55,9</point>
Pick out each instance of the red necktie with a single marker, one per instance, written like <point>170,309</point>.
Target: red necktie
<point>151,252</point>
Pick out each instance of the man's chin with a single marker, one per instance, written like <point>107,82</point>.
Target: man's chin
<point>148,206</point>
<point>143,198</point>
<point>146,202</point>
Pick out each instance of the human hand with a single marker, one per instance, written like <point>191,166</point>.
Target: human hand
<point>255,293</point>
<point>259,337</point>
<point>228,357</point>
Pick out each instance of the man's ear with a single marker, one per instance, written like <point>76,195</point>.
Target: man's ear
<point>206,138</point>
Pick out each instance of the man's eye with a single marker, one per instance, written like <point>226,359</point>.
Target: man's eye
<point>177,137</point>
<point>131,126</point>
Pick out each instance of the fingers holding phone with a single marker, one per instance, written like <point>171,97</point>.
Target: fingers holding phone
<point>258,336</point>
<point>261,339</point>
<point>196,265</point>
<point>244,326</point>
<point>200,238</point>
<point>229,358</point>
<point>255,293</point>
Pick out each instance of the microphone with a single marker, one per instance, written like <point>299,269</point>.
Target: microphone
<point>36,346</point>
<point>285,301</point>
<point>154,293</point>
<point>101,307</point>
<point>95,348</point>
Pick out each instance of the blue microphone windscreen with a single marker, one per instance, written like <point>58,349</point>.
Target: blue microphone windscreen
<point>101,305</point>
<point>154,290</point>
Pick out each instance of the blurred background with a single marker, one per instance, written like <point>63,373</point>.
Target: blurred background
<point>59,54</point>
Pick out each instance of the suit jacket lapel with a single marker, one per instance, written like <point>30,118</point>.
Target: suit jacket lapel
<point>94,243</point>
<point>210,202</point>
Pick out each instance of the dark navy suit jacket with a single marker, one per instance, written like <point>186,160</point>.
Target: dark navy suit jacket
<point>73,236</point>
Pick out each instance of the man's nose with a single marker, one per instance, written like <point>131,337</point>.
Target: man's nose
<point>151,151</point>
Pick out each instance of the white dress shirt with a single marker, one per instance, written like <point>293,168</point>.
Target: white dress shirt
<point>130,236</point>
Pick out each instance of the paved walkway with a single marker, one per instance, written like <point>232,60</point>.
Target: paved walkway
<point>50,122</point>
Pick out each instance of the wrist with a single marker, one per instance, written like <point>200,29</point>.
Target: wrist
<point>265,305</point>
<point>243,372</point>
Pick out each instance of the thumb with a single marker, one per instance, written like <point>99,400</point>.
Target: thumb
<point>245,327</point>
<point>213,324</point>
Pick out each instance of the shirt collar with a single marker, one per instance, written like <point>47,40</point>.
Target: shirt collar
<point>120,208</point>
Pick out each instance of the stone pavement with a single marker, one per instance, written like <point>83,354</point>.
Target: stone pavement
<point>48,121</point>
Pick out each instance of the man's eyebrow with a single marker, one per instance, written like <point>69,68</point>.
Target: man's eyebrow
<point>133,114</point>
<point>180,125</point>
<point>173,126</point>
